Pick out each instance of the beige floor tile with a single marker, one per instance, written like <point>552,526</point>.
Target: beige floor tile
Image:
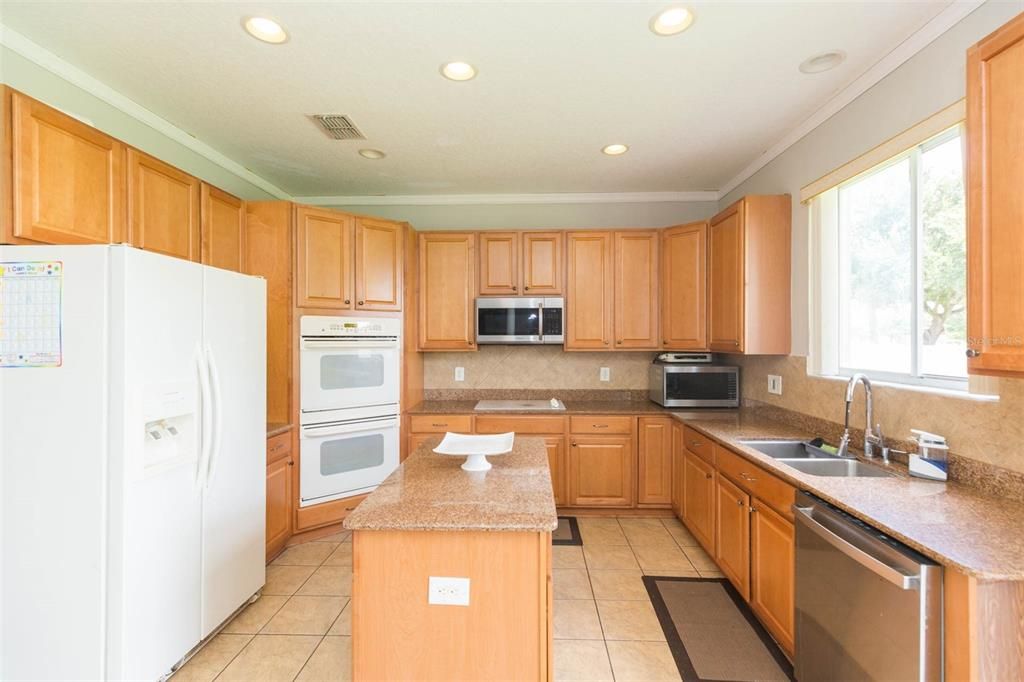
<point>618,584</point>
<point>340,536</point>
<point>683,537</point>
<point>700,559</point>
<point>567,556</point>
<point>285,580</point>
<point>270,658</point>
<point>342,556</point>
<point>343,624</point>
<point>571,583</point>
<point>645,532</point>
<point>306,554</point>
<point>711,574</point>
<point>576,619</point>
<point>609,556</point>
<point>632,620</point>
<point>329,581</point>
<point>583,660</point>
<point>661,557</point>
<point>252,619</point>
<point>674,572</point>
<point>601,531</point>
<point>305,616</point>
<point>212,658</point>
<point>642,662</point>
<point>331,661</point>
<point>672,524</point>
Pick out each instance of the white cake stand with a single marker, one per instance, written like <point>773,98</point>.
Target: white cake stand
<point>476,449</point>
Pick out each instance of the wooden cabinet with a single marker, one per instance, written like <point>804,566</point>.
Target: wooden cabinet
<point>636,289</point>
<point>558,465</point>
<point>684,287</point>
<point>749,277</point>
<point>772,557</point>
<point>68,179</point>
<point>654,461</point>
<point>699,500</point>
<point>280,463</point>
<point>601,471</point>
<point>447,285</point>
<point>222,229</point>
<point>163,207</point>
<point>732,534</point>
<point>324,258</point>
<point>499,263</point>
<point>520,263</point>
<point>589,290</point>
<point>378,264</point>
<point>542,263</point>
<point>677,469</point>
<point>995,212</point>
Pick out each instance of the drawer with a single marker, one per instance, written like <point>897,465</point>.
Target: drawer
<point>439,423</point>
<point>503,424</point>
<point>769,489</point>
<point>279,446</point>
<point>699,444</point>
<point>598,424</point>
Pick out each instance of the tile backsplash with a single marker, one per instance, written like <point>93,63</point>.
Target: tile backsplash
<point>536,367</point>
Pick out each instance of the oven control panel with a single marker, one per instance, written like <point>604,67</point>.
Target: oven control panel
<point>319,325</point>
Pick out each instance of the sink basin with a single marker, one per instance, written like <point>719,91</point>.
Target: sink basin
<point>787,449</point>
<point>834,466</point>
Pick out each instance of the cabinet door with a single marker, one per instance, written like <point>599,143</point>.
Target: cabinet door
<point>417,439</point>
<point>772,572</point>
<point>636,289</point>
<point>279,504</point>
<point>589,290</point>
<point>732,539</point>
<point>499,263</point>
<point>223,229</point>
<point>654,457</point>
<point>601,471</point>
<point>68,178</point>
<point>699,500</point>
<point>726,304</point>
<point>447,286</point>
<point>378,264</point>
<point>542,263</point>
<point>324,272</point>
<point>557,464</point>
<point>684,287</point>
<point>995,178</point>
<point>163,207</point>
<point>677,469</point>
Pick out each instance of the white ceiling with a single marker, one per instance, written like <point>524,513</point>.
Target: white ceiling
<point>558,81</point>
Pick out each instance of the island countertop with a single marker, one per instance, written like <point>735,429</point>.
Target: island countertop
<point>431,492</point>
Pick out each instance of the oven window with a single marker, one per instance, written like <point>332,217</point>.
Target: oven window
<point>508,321</point>
<point>351,454</point>
<point>351,371</point>
<point>700,386</point>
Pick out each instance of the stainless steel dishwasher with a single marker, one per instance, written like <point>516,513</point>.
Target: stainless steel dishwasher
<point>867,607</point>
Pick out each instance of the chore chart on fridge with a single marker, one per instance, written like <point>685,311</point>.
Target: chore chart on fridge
<point>30,314</point>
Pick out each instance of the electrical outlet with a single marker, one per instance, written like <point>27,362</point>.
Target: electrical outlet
<point>460,373</point>
<point>775,384</point>
<point>606,374</point>
<point>448,591</point>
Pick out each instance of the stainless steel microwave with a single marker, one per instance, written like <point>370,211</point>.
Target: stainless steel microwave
<point>673,385</point>
<point>519,320</point>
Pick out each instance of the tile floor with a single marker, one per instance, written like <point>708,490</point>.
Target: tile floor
<point>605,626</point>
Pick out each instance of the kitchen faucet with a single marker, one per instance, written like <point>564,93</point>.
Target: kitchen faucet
<point>870,438</point>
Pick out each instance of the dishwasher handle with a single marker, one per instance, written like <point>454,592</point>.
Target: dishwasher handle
<point>805,517</point>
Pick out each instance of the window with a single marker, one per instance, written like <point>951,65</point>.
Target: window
<point>892,245</point>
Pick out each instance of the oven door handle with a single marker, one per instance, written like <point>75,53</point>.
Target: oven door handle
<point>338,429</point>
<point>317,344</point>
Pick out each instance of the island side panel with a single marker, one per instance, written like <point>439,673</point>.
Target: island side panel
<point>504,634</point>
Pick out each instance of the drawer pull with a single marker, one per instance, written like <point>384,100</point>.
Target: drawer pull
<point>600,426</point>
<point>747,477</point>
<point>440,426</point>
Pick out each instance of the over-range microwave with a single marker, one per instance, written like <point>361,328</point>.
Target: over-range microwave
<point>689,385</point>
<point>519,320</point>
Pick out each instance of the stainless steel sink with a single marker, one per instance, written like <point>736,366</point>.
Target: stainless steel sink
<point>786,449</point>
<point>834,466</point>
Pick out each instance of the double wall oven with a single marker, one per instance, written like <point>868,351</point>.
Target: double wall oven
<point>349,412</point>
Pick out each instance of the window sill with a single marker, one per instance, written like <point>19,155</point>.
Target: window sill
<point>931,390</point>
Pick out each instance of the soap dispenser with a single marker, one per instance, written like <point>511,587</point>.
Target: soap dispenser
<point>930,460</point>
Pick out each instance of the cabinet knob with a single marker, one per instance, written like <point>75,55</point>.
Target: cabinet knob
<point>735,343</point>
<point>291,462</point>
<point>360,303</point>
<point>739,503</point>
<point>971,353</point>
<point>752,509</point>
<point>665,341</point>
<point>515,288</point>
<point>526,288</point>
<point>347,301</point>
<point>573,443</point>
<point>606,343</point>
<point>707,475</point>
<point>619,341</point>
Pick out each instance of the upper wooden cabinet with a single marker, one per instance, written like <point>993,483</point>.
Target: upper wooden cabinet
<point>684,287</point>
<point>68,179</point>
<point>324,253</point>
<point>447,281</point>
<point>223,229</point>
<point>378,264</point>
<point>520,263</point>
<point>995,211</point>
<point>163,207</point>
<point>636,289</point>
<point>542,263</point>
<point>499,263</point>
<point>749,279</point>
<point>590,287</point>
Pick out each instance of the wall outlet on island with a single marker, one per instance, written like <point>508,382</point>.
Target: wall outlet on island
<point>460,373</point>
<point>775,384</point>
<point>448,591</point>
<point>606,374</point>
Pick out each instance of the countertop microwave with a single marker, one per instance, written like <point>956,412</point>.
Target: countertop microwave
<point>519,320</point>
<point>694,385</point>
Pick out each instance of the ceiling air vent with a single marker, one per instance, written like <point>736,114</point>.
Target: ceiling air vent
<point>338,127</point>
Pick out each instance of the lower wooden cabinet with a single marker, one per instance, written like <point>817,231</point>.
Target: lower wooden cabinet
<point>558,465</point>
<point>699,500</point>
<point>677,469</point>
<point>280,463</point>
<point>654,461</point>
<point>772,556</point>
<point>601,471</point>
<point>732,534</point>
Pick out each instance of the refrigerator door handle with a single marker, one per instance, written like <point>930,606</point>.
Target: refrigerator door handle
<point>206,418</point>
<point>218,416</point>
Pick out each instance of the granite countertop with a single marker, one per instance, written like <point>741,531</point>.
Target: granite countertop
<point>432,492</point>
<point>277,428</point>
<point>571,407</point>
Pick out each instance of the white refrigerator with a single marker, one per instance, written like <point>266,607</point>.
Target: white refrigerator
<point>132,458</point>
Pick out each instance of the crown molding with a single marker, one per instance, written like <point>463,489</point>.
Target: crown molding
<point>42,57</point>
<point>510,199</point>
<point>920,39</point>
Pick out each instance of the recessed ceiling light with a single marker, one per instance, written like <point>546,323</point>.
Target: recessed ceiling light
<point>672,21</point>
<point>615,149</point>
<point>458,71</point>
<point>267,30</point>
<point>372,154</point>
<point>823,62</point>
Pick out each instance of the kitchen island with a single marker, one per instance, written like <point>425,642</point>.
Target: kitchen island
<point>431,519</point>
